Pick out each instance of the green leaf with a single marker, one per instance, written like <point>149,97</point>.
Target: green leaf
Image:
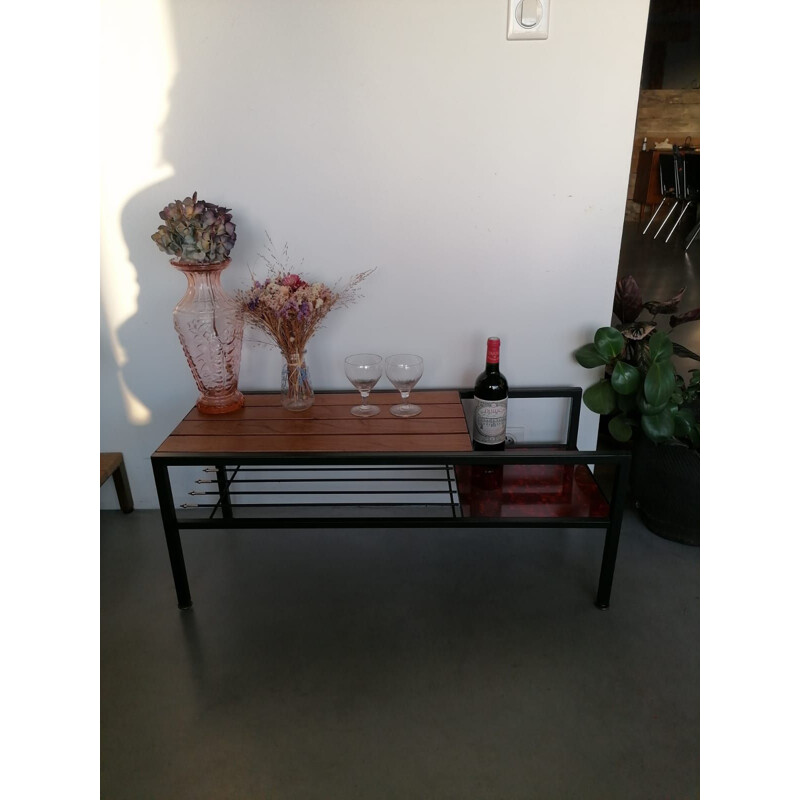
<point>626,402</point>
<point>683,426</point>
<point>659,427</point>
<point>685,422</point>
<point>609,342</point>
<point>659,383</point>
<point>649,408</point>
<point>589,357</point>
<point>620,428</point>
<point>600,397</point>
<point>660,347</point>
<point>625,379</point>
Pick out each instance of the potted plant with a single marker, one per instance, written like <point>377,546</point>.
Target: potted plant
<point>200,237</point>
<point>649,405</point>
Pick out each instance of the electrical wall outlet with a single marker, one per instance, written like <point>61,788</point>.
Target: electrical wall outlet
<point>528,19</point>
<point>515,435</point>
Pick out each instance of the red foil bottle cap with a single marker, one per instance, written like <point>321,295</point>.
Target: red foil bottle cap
<point>492,350</point>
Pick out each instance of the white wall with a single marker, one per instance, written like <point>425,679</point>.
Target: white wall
<point>485,179</point>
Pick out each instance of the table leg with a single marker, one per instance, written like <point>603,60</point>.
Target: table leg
<point>172,534</point>
<point>612,534</point>
<point>607,568</point>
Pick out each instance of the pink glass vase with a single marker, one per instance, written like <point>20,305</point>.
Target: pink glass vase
<point>209,325</point>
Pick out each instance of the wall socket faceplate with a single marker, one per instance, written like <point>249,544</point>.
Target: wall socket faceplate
<point>515,435</point>
<point>528,19</point>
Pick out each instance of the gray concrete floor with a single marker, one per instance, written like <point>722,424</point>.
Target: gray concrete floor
<point>397,664</point>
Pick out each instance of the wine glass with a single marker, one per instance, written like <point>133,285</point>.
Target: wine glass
<point>404,370</point>
<point>364,371</point>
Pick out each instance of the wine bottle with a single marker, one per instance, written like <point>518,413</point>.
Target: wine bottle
<point>491,402</point>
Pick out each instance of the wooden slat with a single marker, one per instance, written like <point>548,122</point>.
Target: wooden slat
<point>308,427</point>
<point>368,443</point>
<point>263,426</point>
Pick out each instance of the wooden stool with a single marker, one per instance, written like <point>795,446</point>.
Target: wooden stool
<point>112,464</point>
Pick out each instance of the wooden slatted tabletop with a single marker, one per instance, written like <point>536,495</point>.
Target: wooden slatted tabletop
<point>263,426</point>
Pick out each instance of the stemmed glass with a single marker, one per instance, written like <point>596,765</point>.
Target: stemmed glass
<point>404,370</point>
<point>364,371</point>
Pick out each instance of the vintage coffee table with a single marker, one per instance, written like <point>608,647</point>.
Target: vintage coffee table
<point>265,467</point>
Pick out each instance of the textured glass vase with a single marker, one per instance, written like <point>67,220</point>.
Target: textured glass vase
<point>296,391</point>
<point>209,325</point>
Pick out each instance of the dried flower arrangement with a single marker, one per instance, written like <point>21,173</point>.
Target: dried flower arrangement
<point>288,309</point>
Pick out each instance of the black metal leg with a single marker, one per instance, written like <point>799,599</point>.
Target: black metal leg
<point>172,534</point>
<point>224,492</point>
<point>612,534</point>
<point>607,569</point>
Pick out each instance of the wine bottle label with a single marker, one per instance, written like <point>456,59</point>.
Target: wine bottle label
<point>489,422</point>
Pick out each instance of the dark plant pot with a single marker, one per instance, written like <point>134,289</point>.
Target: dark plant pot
<point>665,485</point>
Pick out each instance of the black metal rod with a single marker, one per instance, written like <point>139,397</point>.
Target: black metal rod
<point>172,533</point>
<point>453,491</point>
<point>290,523</point>
<point>224,490</point>
<point>348,504</point>
<point>405,468</point>
<point>574,418</point>
<point>323,491</point>
<point>487,457</point>
<point>612,533</point>
<point>333,480</point>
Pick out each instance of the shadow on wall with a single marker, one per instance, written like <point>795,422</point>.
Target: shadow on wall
<point>152,385</point>
<point>224,136</point>
<point>227,149</point>
<point>197,140</point>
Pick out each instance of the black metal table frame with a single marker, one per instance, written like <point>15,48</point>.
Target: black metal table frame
<point>567,454</point>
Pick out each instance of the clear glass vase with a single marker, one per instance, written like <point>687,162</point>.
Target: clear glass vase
<point>209,325</point>
<point>296,391</point>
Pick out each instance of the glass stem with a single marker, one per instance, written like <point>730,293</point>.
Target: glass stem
<point>364,396</point>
